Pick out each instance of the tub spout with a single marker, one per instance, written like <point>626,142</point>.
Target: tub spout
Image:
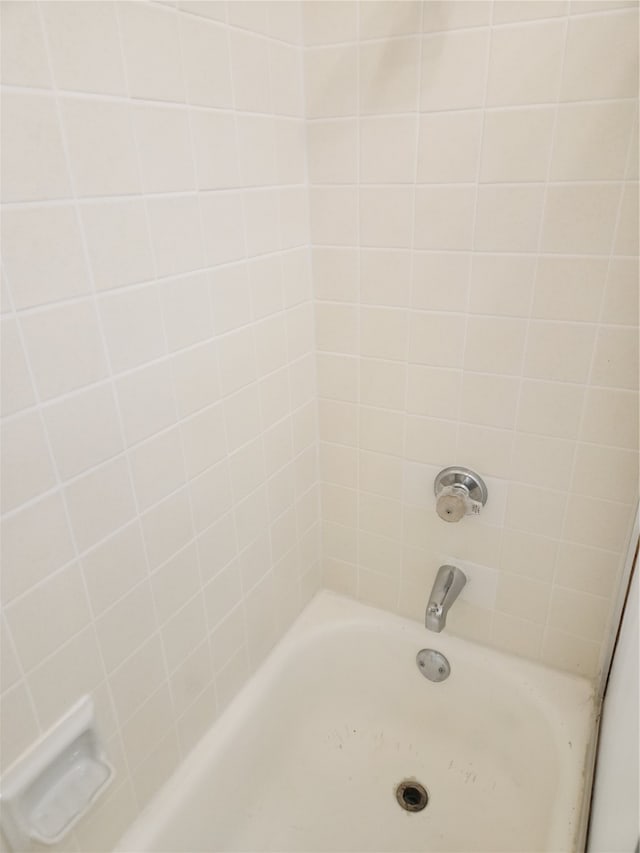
<point>446,588</point>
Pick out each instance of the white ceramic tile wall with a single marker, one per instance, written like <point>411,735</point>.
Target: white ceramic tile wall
<point>472,183</point>
<point>473,186</point>
<point>160,491</point>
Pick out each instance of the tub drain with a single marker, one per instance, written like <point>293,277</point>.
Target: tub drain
<point>412,796</point>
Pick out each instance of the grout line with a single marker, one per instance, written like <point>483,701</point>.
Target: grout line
<point>309,264</point>
<point>134,101</point>
<point>242,606</point>
<point>216,367</point>
<point>91,626</point>
<point>358,118</point>
<point>470,270</point>
<point>589,385</point>
<point>139,515</point>
<point>538,255</point>
<point>412,264</point>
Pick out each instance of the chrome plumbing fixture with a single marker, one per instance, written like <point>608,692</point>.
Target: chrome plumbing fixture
<point>459,492</point>
<point>446,588</point>
<point>433,665</point>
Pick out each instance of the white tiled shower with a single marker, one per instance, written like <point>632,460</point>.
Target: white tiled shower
<point>267,267</point>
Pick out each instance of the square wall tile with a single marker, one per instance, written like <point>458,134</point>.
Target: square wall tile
<point>133,328</point>
<point>102,152</point>
<point>388,150</point>
<point>285,69</point>
<point>186,310</point>
<point>508,218</point>
<point>587,569</point>
<point>386,217</point>
<point>590,73</point>
<point>331,82</point>
<point>535,510</point>
<point>621,297</point>
<point>449,147</point>
<point>444,217</point>
<point>606,472</point>
<point>378,20</point>
<point>592,141</point>
<point>33,160</point>
<point>383,333</point>
<point>382,383</point>
<point>83,430</point>
<point>433,391</point>
<point>207,69</point>
<point>385,277</point>
<point>64,346</point>
<point>99,502</point>
<point>454,68</point>
<point>558,351</point>
<point>542,461</point>
<point>163,137</point>
<point>626,242</point>
<point>440,281</point>
<point>436,339</point>
<point>525,64</point>
<point>151,45</point>
<point>512,11</point>
<point>20,727</point>
<point>388,80</point>
<point>495,345</point>
<point>441,15</point>
<point>114,567</point>
<point>223,224</point>
<point>176,234</point>
<point>118,242</point>
<point>43,255</point>
<point>84,43</point>
<point>595,522</point>
<point>157,467</point>
<point>486,448</point>
<point>17,388</point>
<point>516,145</point>
<point>616,358</point>
<point>27,468</point>
<point>24,55</point>
<point>337,377</point>
<point>332,151</point>
<point>36,541</point>
<point>550,408</point>
<point>146,402</point>
<point>334,216</point>
<point>329,22</point>
<point>569,288</point>
<point>335,273</point>
<point>502,284</point>
<point>489,400</point>
<point>218,151</point>
<point>580,218</point>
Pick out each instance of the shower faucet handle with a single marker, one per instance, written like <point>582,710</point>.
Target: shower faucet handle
<point>459,492</point>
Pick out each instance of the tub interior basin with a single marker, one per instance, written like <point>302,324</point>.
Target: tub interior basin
<point>309,755</point>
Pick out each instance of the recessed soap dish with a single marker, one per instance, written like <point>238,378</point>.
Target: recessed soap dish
<point>47,791</point>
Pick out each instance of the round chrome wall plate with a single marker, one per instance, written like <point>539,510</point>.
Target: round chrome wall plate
<point>433,665</point>
<point>465,477</point>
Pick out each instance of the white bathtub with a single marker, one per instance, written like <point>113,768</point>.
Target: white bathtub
<point>309,754</point>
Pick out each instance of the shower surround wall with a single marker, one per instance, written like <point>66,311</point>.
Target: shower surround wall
<point>161,522</point>
<point>159,442</point>
<point>473,202</point>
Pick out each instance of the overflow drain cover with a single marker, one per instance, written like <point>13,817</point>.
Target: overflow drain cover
<point>433,665</point>
<point>412,796</point>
